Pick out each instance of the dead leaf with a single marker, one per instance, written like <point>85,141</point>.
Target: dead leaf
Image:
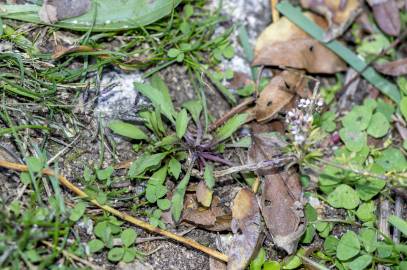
<point>204,194</point>
<point>246,227</point>
<point>279,93</point>
<point>281,197</point>
<point>217,218</point>
<point>57,10</point>
<point>394,68</point>
<point>61,50</point>
<point>283,44</point>
<point>339,14</point>
<point>386,15</point>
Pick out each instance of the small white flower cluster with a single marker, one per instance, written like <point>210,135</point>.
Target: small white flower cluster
<point>300,119</point>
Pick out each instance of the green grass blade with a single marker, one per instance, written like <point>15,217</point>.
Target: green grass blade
<point>295,15</point>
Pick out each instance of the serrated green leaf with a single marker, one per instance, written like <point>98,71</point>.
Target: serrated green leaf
<point>144,163</point>
<point>181,123</point>
<point>158,99</point>
<point>112,15</point>
<point>348,246</point>
<point>177,202</point>
<point>127,130</point>
<point>174,168</point>
<point>231,126</point>
<point>194,107</point>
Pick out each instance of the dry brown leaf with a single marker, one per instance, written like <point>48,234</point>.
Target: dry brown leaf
<point>339,14</point>
<point>278,93</point>
<point>283,44</point>
<point>215,264</point>
<point>56,10</point>
<point>61,50</point>
<point>246,228</point>
<point>386,14</point>
<point>204,194</point>
<point>281,197</point>
<point>217,218</point>
<point>394,68</point>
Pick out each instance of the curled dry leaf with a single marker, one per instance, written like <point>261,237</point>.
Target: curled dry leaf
<point>394,68</point>
<point>216,218</point>
<point>57,10</point>
<point>204,194</point>
<point>246,228</point>
<point>281,197</point>
<point>278,93</point>
<point>339,14</point>
<point>283,44</point>
<point>61,50</point>
<point>386,15</point>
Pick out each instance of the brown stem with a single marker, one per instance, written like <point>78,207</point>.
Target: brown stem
<point>140,223</point>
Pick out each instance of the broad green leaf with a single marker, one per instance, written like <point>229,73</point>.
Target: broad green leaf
<point>145,162</point>
<point>328,121</point>
<point>129,255</point>
<point>292,262</point>
<point>231,126</point>
<point>174,168</point>
<point>181,123</point>
<point>379,125</point>
<point>155,192</point>
<point>392,159</point>
<point>158,177</point>
<point>194,107</point>
<point>399,223</point>
<point>159,84</point>
<point>128,237</point>
<point>348,246</point>
<point>258,262</point>
<point>343,197</point>
<point>368,237</point>
<point>330,245</point>
<point>298,18</point>
<point>271,265</point>
<point>208,176</point>
<point>35,164</point>
<point>104,174</point>
<point>164,204</point>
<point>373,45</point>
<point>358,118</point>
<point>78,211</point>
<point>386,109</point>
<point>127,130</point>
<point>403,107</point>
<point>360,263</point>
<point>368,188</point>
<point>178,198</point>
<point>158,99</point>
<point>115,254</point>
<point>366,212</point>
<point>95,245</point>
<point>354,139</point>
<point>111,15</point>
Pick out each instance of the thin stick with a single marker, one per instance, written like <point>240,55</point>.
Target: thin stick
<point>124,216</point>
<point>274,11</point>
